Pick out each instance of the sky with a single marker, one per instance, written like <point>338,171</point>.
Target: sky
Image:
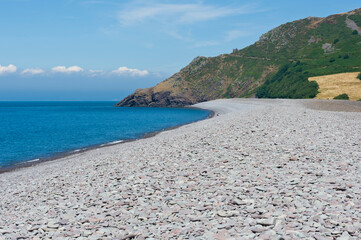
<point>102,50</point>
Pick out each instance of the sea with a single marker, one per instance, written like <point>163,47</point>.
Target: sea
<point>34,131</point>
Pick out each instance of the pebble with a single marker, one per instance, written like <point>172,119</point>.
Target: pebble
<point>269,171</point>
<point>227,214</point>
<point>239,202</point>
<point>266,222</point>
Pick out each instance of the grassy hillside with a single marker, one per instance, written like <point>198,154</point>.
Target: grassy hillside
<point>276,66</point>
<point>289,82</point>
<point>332,47</point>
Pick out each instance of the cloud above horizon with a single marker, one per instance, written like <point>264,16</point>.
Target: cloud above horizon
<point>7,69</point>
<point>130,71</point>
<point>235,34</point>
<point>121,71</point>
<point>63,69</point>
<point>184,21</point>
<point>33,71</point>
<point>179,13</point>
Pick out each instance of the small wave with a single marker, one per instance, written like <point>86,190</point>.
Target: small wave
<point>77,150</point>
<point>34,160</point>
<point>111,143</point>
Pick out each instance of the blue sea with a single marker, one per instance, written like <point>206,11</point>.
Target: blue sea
<point>36,130</point>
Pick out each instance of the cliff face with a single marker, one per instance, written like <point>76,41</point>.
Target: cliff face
<point>311,41</point>
<point>173,92</point>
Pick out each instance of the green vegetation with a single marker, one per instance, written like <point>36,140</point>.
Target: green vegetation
<point>359,76</point>
<point>342,97</point>
<point>279,64</point>
<point>289,82</point>
<point>279,47</point>
<point>356,18</point>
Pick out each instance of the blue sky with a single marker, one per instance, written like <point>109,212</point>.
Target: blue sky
<point>104,49</point>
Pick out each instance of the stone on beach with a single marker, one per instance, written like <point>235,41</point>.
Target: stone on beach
<point>262,169</point>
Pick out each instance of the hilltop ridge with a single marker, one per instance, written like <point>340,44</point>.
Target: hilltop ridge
<point>278,65</point>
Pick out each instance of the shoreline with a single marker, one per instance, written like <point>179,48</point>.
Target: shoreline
<point>315,104</point>
<point>65,154</point>
<point>268,169</point>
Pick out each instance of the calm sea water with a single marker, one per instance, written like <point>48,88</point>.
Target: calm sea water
<point>33,130</point>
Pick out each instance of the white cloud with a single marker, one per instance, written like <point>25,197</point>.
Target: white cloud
<point>131,72</point>
<point>180,13</point>
<point>7,69</point>
<point>181,36</point>
<point>234,34</point>
<point>64,69</point>
<point>33,71</point>
<point>94,73</point>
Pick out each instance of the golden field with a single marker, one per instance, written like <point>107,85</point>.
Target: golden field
<point>333,85</point>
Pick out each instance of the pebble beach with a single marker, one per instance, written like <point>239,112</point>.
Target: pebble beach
<point>258,169</point>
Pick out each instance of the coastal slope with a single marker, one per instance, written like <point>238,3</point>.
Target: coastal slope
<point>261,169</point>
<point>276,66</point>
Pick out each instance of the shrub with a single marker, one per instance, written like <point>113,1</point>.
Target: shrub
<point>346,56</point>
<point>342,97</point>
<point>355,32</point>
<point>359,76</point>
<point>335,41</point>
<point>288,82</point>
<point>332,60</point>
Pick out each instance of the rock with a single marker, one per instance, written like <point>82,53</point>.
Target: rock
<point>5,231</point>
<point>261,189</point>
<point>269,234</point>
<point>237,201</point>
<point>228,225</point>
<point>227,213</point>
<point>167,199</point>
<point>33,228</point>
<point>53,225</point>
<point>258,229</point>
<point>129,236</point>
<point>266,222</point>
<point>344,236</point>
<point>350,229</point>
<point>86,233</point>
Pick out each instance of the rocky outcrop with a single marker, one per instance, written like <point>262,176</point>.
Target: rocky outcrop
<point>173,92</point>
<point>150,98</point>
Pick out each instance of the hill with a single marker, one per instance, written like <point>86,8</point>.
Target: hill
<point>276,66</point>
